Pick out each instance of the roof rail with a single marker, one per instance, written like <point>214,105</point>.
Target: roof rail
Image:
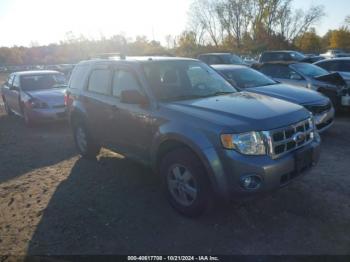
<point>109,56</point>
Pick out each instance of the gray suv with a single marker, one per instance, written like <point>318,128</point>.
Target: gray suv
<point>183,119</point>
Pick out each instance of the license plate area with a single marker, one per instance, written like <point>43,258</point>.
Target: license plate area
<point>303,160</point>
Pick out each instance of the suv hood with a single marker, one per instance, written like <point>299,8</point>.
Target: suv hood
<point>242,111</point>
<point>298,95</point>
<point>333,78</point>
<point>50,96</point>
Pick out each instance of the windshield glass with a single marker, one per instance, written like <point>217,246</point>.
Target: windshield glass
<point>246,77</point>
<point>232,59</point>
<point>179,80</point>
<point>43,81</point>
<point>297,56</point>
<point>309,70</point>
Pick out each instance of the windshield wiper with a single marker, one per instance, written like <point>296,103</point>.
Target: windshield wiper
<point>182,97</point>
<point>220,93</point>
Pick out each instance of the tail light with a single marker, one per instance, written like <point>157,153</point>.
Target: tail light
<point>68,100</point>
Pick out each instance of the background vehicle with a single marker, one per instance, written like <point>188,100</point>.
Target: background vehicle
<point>221,59</point>
<point>310,76</point>
<point>333,53</point>
<point>250,80</point>
<point>286,55</point>
<point>35,95</point>
<point>340,65</point>
<point>191,126</point>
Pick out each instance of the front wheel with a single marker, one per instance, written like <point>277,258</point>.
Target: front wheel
<point>186,182</point>
<point>28,121</point>
<point>85,144</point>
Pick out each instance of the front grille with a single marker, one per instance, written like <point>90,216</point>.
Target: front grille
<point>284,140</point>
<point>319,109</point>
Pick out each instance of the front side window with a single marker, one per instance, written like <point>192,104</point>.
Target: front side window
<point>124,80</point>
<point>309,70</point>
<point>43,81</point>
<point>177,80</point>
<point>99,81</point>
<point>246,77</point>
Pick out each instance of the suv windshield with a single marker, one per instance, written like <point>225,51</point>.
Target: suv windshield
<point>246,77</point>
<point>179,80</point>
<point>297,56</point>
<point>44,81</point>
<point>232,59</point>
<point>309,70</point>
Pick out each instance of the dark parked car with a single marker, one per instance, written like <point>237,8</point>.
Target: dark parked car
<point>250,80</point>
<point>340,65</point>
<point>287,55</point>
<point>221,59</point>
<point>310,76</point>
<point>183,119</point>
<point>35,95</point>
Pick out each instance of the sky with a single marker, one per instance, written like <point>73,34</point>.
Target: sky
<point>24,22</point>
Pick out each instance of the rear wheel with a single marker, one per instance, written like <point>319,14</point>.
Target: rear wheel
<point>84,142</point>
<point>186,182</point>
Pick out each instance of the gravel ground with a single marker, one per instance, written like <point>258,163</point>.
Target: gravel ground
<point>54,202</point>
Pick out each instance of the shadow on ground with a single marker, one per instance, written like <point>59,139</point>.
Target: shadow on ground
<point>24,149</point>
<point>115,206</point>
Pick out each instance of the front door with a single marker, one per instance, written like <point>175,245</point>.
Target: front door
<point>131,131</point>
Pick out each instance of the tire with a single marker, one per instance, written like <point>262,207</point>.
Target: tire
<point>184,178</point>
<point>7,108</point>
<point>85,144</point>
<point>27,120</point>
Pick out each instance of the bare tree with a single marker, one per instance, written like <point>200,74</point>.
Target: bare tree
<point>203,14</point>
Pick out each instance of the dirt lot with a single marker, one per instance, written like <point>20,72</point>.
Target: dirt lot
<point>54,202</point>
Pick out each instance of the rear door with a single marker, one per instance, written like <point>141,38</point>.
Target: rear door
<point>98,103</point>
<point>6,90</point>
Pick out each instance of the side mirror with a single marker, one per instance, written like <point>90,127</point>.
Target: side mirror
<point>133,97</point>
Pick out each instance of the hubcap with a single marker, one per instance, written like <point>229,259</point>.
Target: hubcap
<point>81,139</point>
<point>182,185</point>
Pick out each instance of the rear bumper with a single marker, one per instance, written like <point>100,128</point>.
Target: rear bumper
<point>229,167</point>
<point>48,115</point>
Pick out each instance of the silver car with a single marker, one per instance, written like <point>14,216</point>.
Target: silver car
<point>35,95</point>
<point>310,76</point>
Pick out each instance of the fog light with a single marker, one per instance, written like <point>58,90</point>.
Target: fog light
<point>251,182</point>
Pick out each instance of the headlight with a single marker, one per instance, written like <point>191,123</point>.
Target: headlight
<point>251,143</point>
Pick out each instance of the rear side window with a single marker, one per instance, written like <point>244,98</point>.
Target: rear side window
<point>99,81</point>
<point>214,60</point>
<point>78,78</point>
<point>124,80</point>
<point>344,66</point>
<point>325,65</point>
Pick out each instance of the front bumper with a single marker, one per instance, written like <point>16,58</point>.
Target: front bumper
<point>48,115</point>
<point>228,167</point>
<point>325,120</point>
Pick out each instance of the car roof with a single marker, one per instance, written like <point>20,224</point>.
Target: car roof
<point>334,59</point>
<point>36,72</point>
<point>139,59</point>
<point>229,67</point>
<point>224,53</point>
<point>280,51</point>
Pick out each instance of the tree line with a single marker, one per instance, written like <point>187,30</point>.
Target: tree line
<point>241,26</point>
